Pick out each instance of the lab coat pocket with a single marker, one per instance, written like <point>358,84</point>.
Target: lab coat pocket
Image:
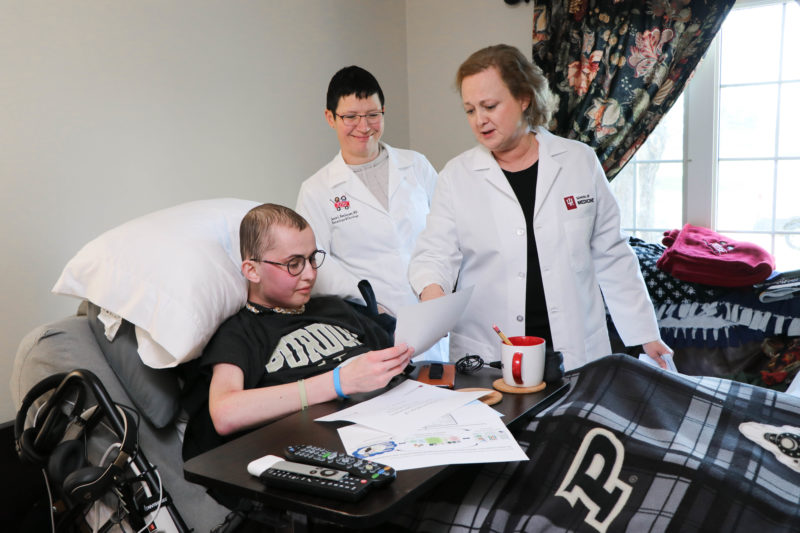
<point>578,232</point>
<point>597,343</point>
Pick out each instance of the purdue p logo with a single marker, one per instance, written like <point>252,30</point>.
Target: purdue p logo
<point>593,478</point>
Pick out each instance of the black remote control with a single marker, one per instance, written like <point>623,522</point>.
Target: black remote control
<point>361,468</point>
<point>327,482</point>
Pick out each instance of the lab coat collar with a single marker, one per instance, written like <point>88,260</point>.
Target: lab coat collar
<point>550,149</point>
<point>402,159</point>
<point>400,163</point>
<point>340,175</point>
<point>550,146</point>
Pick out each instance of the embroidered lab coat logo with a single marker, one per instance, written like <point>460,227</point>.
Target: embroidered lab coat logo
<point>570,201</point>
<point>593,478</point>
<point>341,202</point>
<point>311,345</point>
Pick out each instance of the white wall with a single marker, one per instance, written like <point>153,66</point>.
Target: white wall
<point>113,109</point>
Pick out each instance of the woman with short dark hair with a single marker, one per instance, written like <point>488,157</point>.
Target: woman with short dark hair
<point>368,205</point>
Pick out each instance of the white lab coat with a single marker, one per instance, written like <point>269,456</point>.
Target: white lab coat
<point>362,238</point>
<point>476,234</point>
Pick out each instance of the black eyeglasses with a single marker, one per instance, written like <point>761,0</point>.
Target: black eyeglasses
<point>297,264</point>
<point>352,119</point>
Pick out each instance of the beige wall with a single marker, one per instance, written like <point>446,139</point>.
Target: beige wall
<point>441,35</point>
<point>110,110</point>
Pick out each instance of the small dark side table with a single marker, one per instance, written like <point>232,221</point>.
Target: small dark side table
<point>225,468</point>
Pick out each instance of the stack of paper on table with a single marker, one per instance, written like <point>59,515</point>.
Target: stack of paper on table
<point>416,425</point>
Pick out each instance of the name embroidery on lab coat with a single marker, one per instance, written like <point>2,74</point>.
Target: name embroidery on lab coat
<point>343,208</point>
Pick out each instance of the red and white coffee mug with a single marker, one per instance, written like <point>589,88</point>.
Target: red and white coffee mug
<point>523,361</point>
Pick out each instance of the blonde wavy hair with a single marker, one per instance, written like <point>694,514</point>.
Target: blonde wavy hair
<point>524,79</point>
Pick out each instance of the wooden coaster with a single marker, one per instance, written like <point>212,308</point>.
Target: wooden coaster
<point>501,385</point>
<point>490,398</point>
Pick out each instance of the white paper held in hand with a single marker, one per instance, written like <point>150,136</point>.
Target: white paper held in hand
<point>422,325</point>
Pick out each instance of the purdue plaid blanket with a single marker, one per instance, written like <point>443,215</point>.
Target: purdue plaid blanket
<point>633,448</point>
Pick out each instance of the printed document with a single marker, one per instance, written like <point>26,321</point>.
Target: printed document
<point>473,433</point>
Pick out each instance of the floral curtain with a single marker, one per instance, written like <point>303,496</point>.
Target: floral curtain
<point>617,66</point>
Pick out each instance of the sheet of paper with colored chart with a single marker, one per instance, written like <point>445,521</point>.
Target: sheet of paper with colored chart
<point>473,433</point>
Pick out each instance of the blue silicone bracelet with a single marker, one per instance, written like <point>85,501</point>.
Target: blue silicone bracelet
<point>337,384</point>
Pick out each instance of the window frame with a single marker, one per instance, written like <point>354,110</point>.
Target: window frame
<point>701,141</point>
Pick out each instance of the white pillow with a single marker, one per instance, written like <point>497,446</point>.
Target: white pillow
<point>175,274</point>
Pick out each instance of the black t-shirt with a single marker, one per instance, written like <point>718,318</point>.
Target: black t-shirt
<point>272,349</point>
<point>536,319</point>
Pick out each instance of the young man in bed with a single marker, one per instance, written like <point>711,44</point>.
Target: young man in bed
<point>284,350</point>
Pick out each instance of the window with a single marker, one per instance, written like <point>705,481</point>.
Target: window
<point>649,188</point>
<point>727,155</point>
